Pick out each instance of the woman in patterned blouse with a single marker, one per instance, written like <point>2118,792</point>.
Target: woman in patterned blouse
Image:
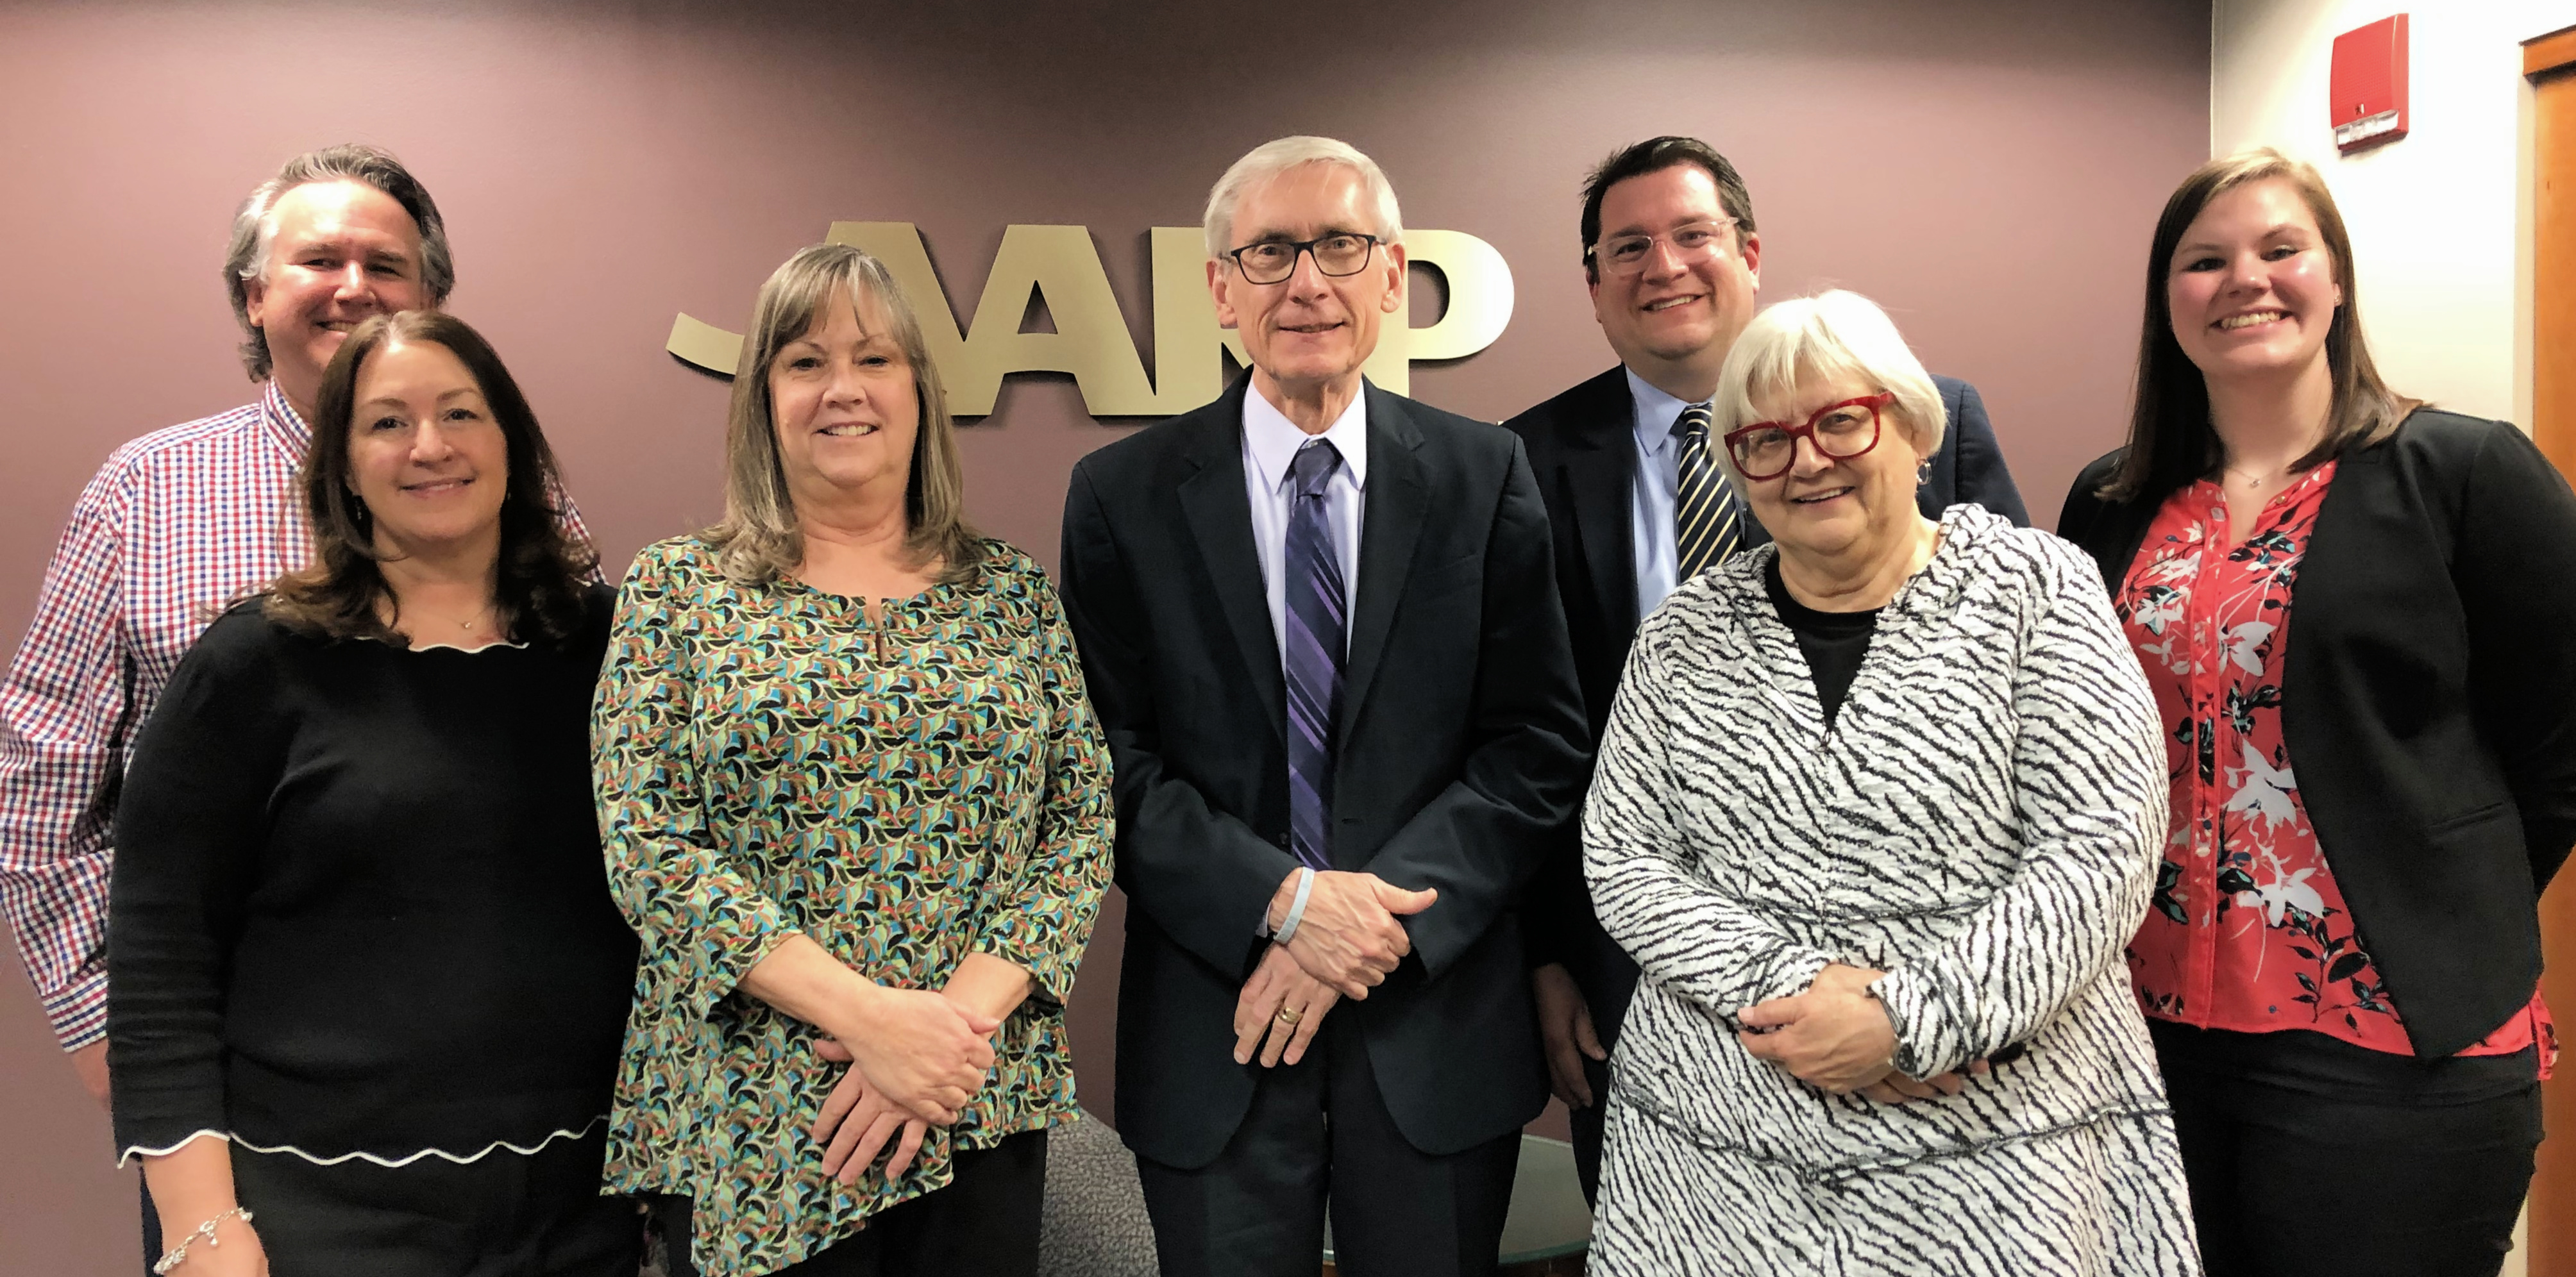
<point>856,805</point>
<point>2354,612</point>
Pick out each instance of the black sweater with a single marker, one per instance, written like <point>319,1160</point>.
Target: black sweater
<point>358,904</point>
<point>2429,702</point>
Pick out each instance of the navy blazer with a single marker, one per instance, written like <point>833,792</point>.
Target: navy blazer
<point>1582,444</point>
<point>2428,702</point>
<point>1459,760</point>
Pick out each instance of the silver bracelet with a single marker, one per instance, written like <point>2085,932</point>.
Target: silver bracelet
<point>1297,907</point>
<point>206,1232</point>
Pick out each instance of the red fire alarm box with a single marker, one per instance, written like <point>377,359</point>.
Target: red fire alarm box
<point>2369,84</point>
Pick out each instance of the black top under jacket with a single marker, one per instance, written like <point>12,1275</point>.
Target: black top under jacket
<point>358,904</point>
<point>2429,702</point>
<point>1834,643</point>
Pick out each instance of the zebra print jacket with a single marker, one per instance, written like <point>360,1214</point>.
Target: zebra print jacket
<point>1982,821</point>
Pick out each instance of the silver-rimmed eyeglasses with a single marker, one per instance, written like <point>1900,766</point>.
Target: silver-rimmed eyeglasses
<point>1690,241</point>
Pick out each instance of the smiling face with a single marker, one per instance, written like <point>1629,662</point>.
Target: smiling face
<point>2252,285</point>
<point>1837,509</point>
<point>425,453</point>
<point>844,406</point>
<point>1309,329</point>
<point>1676,311</point>
<point>342,253</point>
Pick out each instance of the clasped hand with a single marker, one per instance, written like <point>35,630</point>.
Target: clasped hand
<point>925,1058</point>
<point>1836,1037</point>
<point>1284,1003</point>
<point>1349,937</point>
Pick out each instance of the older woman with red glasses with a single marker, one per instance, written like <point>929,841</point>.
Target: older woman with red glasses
<point>1875,812</point>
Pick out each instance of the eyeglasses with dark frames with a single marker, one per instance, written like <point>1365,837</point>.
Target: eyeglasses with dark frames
<point>1338,255</point>
<point>1690,241</point>
<point>1840,431</point>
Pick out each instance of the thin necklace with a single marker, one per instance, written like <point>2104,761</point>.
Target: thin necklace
<point>2252,479</point>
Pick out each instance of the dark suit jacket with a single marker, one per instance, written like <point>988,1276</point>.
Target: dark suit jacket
<point>2428,702</point>
<point>1460,758</point>
<point>1582,444</point>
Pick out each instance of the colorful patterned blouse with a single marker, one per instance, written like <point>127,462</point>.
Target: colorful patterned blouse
<point>2248,931</point>
<point>906,793</point>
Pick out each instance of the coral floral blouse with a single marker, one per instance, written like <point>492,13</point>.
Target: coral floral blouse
<point>2248,931</point>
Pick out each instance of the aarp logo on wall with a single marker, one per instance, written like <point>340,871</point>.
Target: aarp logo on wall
<point>1091,339</point>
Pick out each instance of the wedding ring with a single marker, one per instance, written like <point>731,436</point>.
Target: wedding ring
<point>1288,1015</point>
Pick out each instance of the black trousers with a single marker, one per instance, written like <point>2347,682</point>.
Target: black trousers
<point>1318,1137</point>
<point>2308,1158</point>
<point>1585,1125</point>
<point>504,1215</point>
<point>985,1223</point>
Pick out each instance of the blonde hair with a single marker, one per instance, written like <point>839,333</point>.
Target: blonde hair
<point>1832,334</point>
<point>759,540</point>
<point>1270,159</point>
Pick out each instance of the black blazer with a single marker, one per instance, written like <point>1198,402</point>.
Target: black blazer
<point>1581,443</point>
<point>2428,702</point>
<point>1461,756</point>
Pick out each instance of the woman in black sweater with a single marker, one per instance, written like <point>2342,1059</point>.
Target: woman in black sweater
<point>367,985</point>
<point>2354,611</point>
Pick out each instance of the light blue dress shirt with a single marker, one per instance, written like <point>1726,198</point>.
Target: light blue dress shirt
<point>1270,443</point>
<point>1651,497</point>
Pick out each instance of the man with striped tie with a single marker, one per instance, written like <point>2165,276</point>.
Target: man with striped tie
<point>1639,501</point>
<point>1320,628</point>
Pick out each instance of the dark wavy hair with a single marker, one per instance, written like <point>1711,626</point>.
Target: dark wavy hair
<point>342,593</point>
<point>2171,442</point>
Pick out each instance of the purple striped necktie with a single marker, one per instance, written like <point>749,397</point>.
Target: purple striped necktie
<point>1316,630</point>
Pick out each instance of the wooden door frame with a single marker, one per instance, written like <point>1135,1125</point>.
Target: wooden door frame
<point>2549,64</point>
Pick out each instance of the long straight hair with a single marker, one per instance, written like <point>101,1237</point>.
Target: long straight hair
<point>342,593</point>
<point>758,540</point>
<point>2171,441</point>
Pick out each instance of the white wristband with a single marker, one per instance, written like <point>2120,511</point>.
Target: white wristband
<point>1297,907</point>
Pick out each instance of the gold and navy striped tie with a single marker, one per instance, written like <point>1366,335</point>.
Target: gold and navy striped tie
<point>1708,522</point>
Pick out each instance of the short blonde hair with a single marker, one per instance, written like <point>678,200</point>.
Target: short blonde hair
<point>1270,159</point>
<point>1832,334</point>
<point>759,540</point>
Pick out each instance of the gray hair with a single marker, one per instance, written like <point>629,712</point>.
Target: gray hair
<point>255,227</point>
<point>1270,159</point>
<point>1832,334</point>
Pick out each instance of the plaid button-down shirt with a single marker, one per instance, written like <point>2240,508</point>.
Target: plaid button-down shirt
<point>176,524</point>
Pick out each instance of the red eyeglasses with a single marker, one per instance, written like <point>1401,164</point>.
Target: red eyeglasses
<point>1841,431</point>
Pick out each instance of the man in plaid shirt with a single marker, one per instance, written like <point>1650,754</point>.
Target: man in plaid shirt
<point>176,524</point>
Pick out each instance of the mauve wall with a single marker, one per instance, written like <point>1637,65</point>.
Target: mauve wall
<point>1989,170</point>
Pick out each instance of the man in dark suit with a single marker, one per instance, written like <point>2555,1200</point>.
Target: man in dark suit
<point>1320,627</point>
<point>1639,501</point>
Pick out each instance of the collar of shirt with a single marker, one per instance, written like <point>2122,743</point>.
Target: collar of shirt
<point>282,422</point>
<point>1271,440</point>
<point>1656,413</point>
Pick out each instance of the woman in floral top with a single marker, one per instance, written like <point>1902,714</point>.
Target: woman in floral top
<point>855,804</point>
<point>2352,611</point>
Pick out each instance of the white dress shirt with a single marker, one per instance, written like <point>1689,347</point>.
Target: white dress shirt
<point>1270,443</point>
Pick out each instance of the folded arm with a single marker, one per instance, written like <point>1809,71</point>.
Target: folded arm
<point>1202,875</point>
<point>190,827</point>
<point>1686,934</point>
<point>1481,839</point>
<point>63,713</point>
<point>2089,793</point>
